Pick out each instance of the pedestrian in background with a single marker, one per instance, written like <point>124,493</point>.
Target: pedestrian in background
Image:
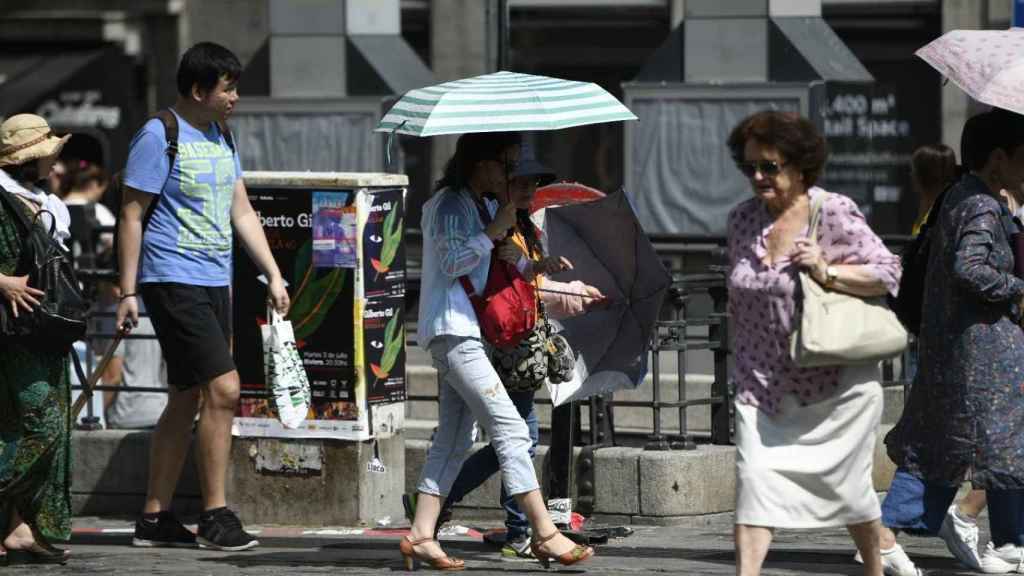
<point>457,241</point>
<point>805,437</point>
<point>181,266</point>
<point>35,394</point>
<point>963,417</point>
<point>932,169</point>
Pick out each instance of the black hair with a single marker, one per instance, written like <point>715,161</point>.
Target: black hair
<point>529,232</point>
<point>26,172</point>
<point>204,65</point>
<point>934,166</point>
<point>986,132</point>
<point>470,150</point>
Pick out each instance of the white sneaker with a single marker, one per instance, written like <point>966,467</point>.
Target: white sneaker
<point>1003,560</point>
<point>961,537</point>
<point>895,562</point>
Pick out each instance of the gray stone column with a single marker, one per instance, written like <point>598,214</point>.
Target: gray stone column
<point>463,36</point>
<point>957,106</point>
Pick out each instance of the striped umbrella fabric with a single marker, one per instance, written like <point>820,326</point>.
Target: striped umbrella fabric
<point>502,102</point>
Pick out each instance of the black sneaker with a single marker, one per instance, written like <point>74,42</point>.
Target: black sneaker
<point>165,532</point>
<point>221,529</point>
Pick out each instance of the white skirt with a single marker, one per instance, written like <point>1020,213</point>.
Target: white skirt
<point>810,466</point>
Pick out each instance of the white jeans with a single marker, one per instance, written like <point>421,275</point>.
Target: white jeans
<point>471,391</point>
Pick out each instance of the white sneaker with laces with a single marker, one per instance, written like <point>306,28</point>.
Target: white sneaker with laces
<point>961,536</point>
<point>1003,560</point>
<point>895,562</point>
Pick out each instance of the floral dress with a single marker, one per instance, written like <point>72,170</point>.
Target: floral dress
<point>964,417</point>
<point>35,455</point>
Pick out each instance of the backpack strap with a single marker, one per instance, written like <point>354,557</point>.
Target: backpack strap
<point>226,132</point>
<point>170,122</point>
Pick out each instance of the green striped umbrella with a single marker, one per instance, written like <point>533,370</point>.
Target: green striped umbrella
<point>502,102</point>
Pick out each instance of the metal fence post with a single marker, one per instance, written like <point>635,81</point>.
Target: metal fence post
<point>718,333</point>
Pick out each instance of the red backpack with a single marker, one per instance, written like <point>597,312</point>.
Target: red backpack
<point>507,310</point>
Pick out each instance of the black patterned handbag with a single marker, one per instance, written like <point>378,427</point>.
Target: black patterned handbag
<point>539,357</point>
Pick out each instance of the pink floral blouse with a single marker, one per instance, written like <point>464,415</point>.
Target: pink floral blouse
<point>763,299</point>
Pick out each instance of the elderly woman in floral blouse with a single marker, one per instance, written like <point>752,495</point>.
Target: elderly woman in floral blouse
<point>804,436</point>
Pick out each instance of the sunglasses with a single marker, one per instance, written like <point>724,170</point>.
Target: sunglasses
<point>767,168</point>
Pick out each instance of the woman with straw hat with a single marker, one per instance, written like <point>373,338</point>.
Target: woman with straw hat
<point>35,459</point>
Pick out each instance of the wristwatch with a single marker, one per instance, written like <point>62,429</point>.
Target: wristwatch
<point>831,273</point>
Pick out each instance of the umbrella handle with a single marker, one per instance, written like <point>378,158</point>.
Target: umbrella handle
<point>391,141</point>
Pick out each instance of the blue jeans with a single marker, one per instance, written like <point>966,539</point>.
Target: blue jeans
<point>470,391</point>
<point>484,463</point>
<point>918,507</point>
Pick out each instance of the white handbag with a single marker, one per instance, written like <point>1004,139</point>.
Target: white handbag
<point>286,378</point>
<point>837,329</point>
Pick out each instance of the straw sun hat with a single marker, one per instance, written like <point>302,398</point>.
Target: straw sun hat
<point>25,137</point>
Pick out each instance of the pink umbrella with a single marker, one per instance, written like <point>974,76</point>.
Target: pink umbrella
<point>986,64</point>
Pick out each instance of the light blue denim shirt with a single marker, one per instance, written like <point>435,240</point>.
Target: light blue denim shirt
<point>454,244</point>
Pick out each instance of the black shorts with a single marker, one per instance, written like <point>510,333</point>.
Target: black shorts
<point>193,325</point>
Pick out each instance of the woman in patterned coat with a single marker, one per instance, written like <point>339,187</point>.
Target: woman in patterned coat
<point>964,418</point>
<point>35,459</point>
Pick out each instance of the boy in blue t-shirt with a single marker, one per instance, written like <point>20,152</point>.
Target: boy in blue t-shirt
<point>181,267</point>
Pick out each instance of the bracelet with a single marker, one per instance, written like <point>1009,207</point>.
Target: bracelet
<point>132,295</point>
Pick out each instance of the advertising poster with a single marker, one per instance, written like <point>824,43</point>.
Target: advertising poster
<point>334,230</point>
<point>870,140</point>
<point>384,350</point>
<point>322,317</point>
<point>383,257</point>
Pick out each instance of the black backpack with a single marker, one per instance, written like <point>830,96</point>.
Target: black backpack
<point>908,302</point>
<point>170,122</point>
<point>60,318</point>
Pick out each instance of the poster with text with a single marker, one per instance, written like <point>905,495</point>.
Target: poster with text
<point>870,139</point>
<point>384,349</point>
<point>383,245</point>
<point>334,230</point>
<point>321,315</point>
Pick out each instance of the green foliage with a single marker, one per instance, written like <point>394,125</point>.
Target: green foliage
<point>315,294</point>
<point>392,233</point>
<point>393,342</point>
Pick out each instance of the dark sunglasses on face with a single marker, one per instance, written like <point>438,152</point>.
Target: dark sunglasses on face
<point>767,168</point>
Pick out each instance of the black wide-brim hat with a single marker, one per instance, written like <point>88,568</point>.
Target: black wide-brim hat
<point>528,165</point>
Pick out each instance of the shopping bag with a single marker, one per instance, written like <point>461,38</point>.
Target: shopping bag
<point>285,376</point>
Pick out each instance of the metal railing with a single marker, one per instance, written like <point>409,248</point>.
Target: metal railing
<point>674,334</point>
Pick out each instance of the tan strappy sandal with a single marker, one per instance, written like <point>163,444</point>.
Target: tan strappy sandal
<point>578,554</point>
<point>413,558</point>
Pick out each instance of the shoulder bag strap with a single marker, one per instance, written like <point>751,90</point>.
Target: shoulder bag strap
<point>815,215</point>
<point>14,206</point>
<point>475,298</point>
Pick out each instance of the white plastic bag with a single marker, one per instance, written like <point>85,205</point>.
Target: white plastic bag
<point>285,376</point>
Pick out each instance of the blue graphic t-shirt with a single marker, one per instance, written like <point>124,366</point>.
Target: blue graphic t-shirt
<point>188,239</point>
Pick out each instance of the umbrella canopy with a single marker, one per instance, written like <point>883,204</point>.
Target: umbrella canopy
<point>986,64</point>
<point>561,193</point>
<point>612,343</point>
<point>502,102</point>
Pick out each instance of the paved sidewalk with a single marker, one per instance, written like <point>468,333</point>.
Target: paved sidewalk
<point>703,548</point>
